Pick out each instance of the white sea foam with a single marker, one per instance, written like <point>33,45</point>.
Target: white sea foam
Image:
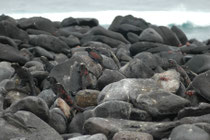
<point>106,17</point>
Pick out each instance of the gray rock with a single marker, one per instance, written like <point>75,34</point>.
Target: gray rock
<point>33,104</point>
<point>129,135</point>
<point>196,119</point>
<point>111,126</point>
<point>201,109</point>
<point>10,29</point>
<point>188,132</point>
<point>113,109</point>
<point>136,69</point>
<point>127,90</point>
<point>58,120</point>
<point>201,85</point>
<point>11,54</point>
<point>76,124</point>
<point>161,103</point>
<point>199,63</point>
<point>108,63</point>
<point>90,137</point>
<point>70,135</point>
<point>109,76</point>
<point>39,23</point>
<point>180,34</point>
<point>6,71</point>
<point>48,42</point>
<point>150,35</point>
<point>48,96</point>
<point>26,125</point>
<point>133,38</point>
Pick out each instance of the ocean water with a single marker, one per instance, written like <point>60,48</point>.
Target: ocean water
<point>191,16</point>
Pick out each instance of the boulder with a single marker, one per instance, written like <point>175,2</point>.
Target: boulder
<point>49,42</point>
<point>180,34</point>
<point>10,29</point>
<point>199,63</point>
<point>26,125</point>
<point>109,76</point>
<point>161,103</point>
<point>86,98</point>
<point>57,120</point>
<point>130,135</point>
<point>11,54</point>
<point>33,104</point>
<point>136,68</point>
<point>109,127</point>
<point>150,35</point>
<point>48,96</point>
<point>39,23</point>
<point>188,132</point>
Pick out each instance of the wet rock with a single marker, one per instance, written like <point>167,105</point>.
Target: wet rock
<point>188,132</point>
<point>136,69</point>
<point>11,30</point>
<point>76,124</point>
<point>79,21</point>
<point>168,80</point>
<point>70,135</point>
<point>38,23</point>
<point>150,35</point>
<point>132,38</point>
<point>8,41</point>
<point>101,38</point>
<point>48,42</point>
<point>126,28</point>
<point>111,126</point>
<point>109,76</point>
<point>129,135</point>
<point>40,75</point>
<point>153,61</point>
<point>113,109</point>
<point>36,32</point>
<point>200,85</point>
<point>48,96</point>
<point>90,137</point>
<point>129,19</point>
<point>127,90</point>
<point>180,34</point>
<point>86,98</point>
<point>71,41</point>
<point>108,63</point>
<point>6,71</point>
<point>199,63</point>
<point>168,36</point>
<point>11,54</point>
<point>33,104</point>
<point>161,103</point>
<point>17,125</point>
<point>150,46</point>
<point>58,120</point>
<point>202,109</point>
<point>7,18</point>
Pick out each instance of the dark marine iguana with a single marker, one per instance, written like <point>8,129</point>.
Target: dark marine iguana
<point>24,74</point>
<point>60,91</point>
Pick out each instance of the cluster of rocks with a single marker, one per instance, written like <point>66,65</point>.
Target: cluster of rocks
<point>75,80</point>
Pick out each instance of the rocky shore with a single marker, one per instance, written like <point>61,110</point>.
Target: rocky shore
<point>75,80</point>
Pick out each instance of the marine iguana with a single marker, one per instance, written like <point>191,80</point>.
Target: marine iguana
<point>24,74</point>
